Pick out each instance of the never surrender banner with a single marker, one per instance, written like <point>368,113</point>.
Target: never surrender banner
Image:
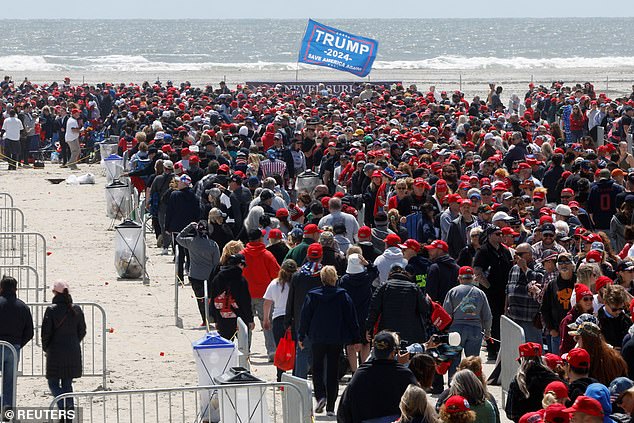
<point>327,46</point>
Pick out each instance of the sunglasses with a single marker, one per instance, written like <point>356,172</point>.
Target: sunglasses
<point>587,298</point>
<point>616,309</point>
<point>566,197</point>
<point>564,262</point>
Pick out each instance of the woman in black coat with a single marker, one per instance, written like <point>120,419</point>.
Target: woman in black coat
<point>63,329</point>
<point>230,297</point>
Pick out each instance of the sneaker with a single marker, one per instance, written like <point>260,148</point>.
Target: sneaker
<point>164,252</point>
<point>159,241</point>
<point>321,404</point>
<point>330,413</point>
<point>63,166</point>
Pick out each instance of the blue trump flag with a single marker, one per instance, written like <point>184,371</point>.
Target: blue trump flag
<point>327,46</point>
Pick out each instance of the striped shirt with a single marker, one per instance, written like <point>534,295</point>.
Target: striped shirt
<point>272,167</point>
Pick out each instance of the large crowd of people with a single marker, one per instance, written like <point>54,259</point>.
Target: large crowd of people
<point>373,223</point>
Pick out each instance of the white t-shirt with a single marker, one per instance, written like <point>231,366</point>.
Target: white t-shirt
<point>274,293</point>
<point>71,135</point>
<point>12,126</point>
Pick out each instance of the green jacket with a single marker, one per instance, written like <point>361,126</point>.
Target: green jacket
<point>298,253</point>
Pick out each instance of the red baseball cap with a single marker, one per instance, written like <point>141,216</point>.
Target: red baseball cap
<point>556,413</point>
<point>581,291</point>
<point>441,245</point>
<point>465,270</point>
<point>552,360</point>
<point>392,240</point>
<point>377,174</point>
<point>507,230</point>
<point>603,281</point>
<point>281,212</point>
<point>315,251</point>
<point>530,349</point>
<point>364,232</point>
<point>224,168</point>
<point>567,191</point>
<point>532,417</point>
<point>558,388</point>
<point>586,405</point>
<point>456,404</point>
<point>311,229</point>
<point>579,358</point>
<point>194,159</point>
<point>275,234</point>
<point>412,244</point>
<point>594,256</point>
<point>592,237</point>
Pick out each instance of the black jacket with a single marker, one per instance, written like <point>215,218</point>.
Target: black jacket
<point>374,391</point>
<point>613,329</point>
<point>16,322</point>
<point>182,209</point>
<point>240,199</point>
<point>62,332</point>
<point>418,267</point>
<point>328,317</point>
<point>368,251</point>
<point>537,377</point>
<point>443,275</point>
<point>279,251</point>
<point>399,305</point>
<point>556,301</point>
<point>578,387</point>
<point>230,282</point>
<point>359,287</point>
<point>301,283</point>
<point>334,258</point>
<point>221,234</point>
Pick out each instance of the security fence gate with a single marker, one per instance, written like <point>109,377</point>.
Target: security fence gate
<point>253,403</point>
<point>31,288</point>
<point>93,346</point>
<point>24,249</point>
<point>11,219</point>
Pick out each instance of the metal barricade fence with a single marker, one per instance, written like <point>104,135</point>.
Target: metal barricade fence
<point>26,249</point>
<point>30,286</point>
<point>93,346</point>
<point>511,337</point>
<point>8,375</point>
<point>6,200</point>
<point>11,219</point>
<point>253,403</point>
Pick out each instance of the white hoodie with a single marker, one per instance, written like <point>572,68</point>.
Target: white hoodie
<point>384,262</point>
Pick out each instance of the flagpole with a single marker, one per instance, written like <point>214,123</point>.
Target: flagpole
<point>300,46</point>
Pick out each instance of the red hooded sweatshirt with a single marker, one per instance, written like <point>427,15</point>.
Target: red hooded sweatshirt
<point>261,268</point>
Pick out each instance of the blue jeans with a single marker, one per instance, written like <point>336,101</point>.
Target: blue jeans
<point>553,344</point>
<point>7,376</point>
<point>531,333</point>
<point>303,359</point>
<point>59,386</point>
<point>470,341</point>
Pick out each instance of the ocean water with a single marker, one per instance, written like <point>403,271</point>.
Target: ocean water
<point>217,46</point>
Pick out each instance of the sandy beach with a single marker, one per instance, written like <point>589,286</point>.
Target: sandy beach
<point>145,349</point>
<point>614,81</point>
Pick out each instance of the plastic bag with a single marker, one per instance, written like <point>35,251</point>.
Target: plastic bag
<point>285,353</point>
<point>87,179</point>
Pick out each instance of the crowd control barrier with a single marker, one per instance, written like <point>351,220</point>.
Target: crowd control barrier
<point>6,200</point>
<point>253,403</point>
<point>31,288</point>
<point>11,219</point>
<point>93,346</point>
<point>24,249</point>
<point>511,337</point>
<point>8,375</point>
